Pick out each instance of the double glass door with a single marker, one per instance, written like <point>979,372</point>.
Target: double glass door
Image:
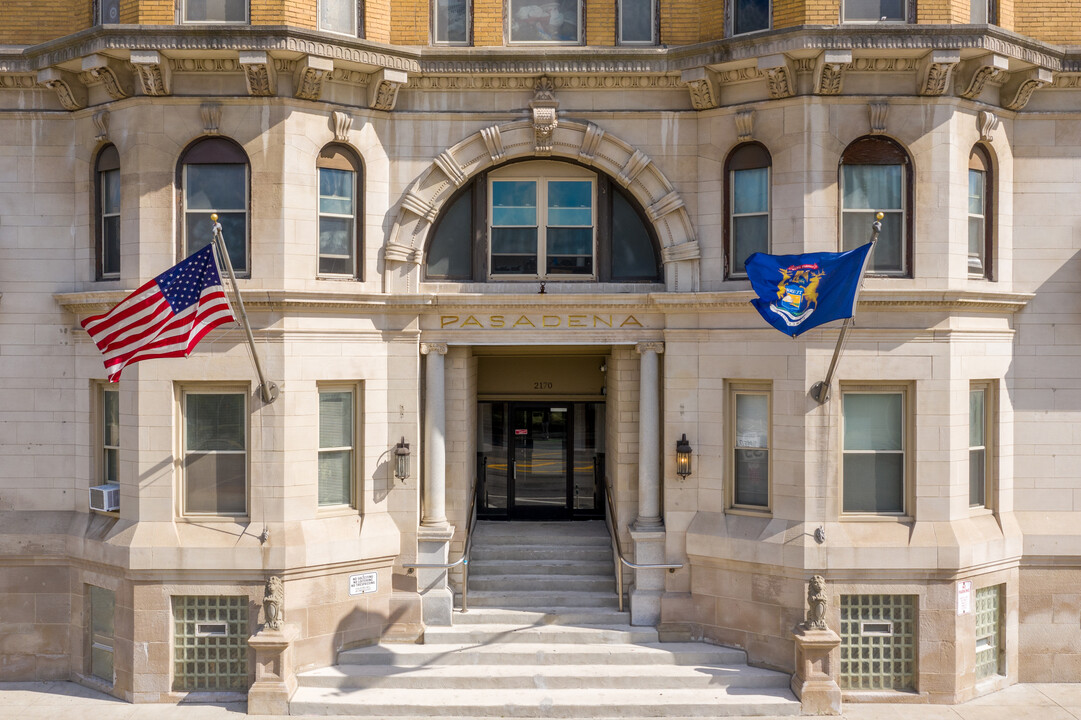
<point>540,460</point>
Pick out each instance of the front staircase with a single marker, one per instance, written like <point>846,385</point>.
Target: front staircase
<point>543,637</point>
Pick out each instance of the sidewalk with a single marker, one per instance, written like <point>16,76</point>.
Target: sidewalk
<point>68,701</point>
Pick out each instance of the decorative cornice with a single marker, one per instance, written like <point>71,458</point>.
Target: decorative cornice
<point>113,74</point>
<point>17,82</point>
<point>559,82</point>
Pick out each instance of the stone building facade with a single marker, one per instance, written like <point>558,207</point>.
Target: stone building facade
<point>455,220</point>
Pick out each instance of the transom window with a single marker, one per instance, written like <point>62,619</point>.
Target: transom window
<point>214,11</point>
<point>636,22</point>
<point>542,226</point>
<point>450,21</point>
<point>875,10</point>
<point>558,21</point>
<point>214,179</point>
<point>875,176</point>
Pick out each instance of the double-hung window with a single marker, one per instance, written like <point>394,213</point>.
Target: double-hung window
<point>876,177</point>
<point>337,446</point>
<point>542,226</point>
<point>214,179</point>
<point>215,460</point>
<point>980,219</point>
<point>875,10</point>
<point>450,21</point>
<point>339,199</point>
<point>339,16</point>
<point>979,442</point>
<point>214,11</point>
<point>749,407</point>
<point>636,22</point>
<point>101,631</point>
<point>750,16</point>
<point>110,435</point>
<point>747,200</point>
<point>107,225</point>
<point>982,12</point>
<point>875,440</point>
<point>559,21</point>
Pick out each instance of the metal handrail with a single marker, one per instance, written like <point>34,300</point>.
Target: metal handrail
<point>610,512</point>
<point>464,559</point>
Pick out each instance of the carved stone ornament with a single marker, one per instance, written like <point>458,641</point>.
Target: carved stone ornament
<point>1019,88</point>
<point>977,73</point>
<point>383,88</point>
<point>780,75</point>
<point>877,113</point>
<point>66,85</point>
<point>259,73</point>
<point>433,348</point>
<point>745,125</point>
<point>274,602</point>
<point>644,347</point>
<point>211,114</point>
<point>341,123</point>
<point>935,72</point>
<point>101,122</point>
<point>829,71</point>
<point>545,120</point>
<point>702,84</point>
<point>986,121</point>
<point>116,77</point>
<point>309,76</point>
<point>817,602</point>
<point>152,69</point>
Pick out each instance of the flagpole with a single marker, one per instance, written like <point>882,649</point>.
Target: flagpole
<point>267,389</point>
<point>820,391</point>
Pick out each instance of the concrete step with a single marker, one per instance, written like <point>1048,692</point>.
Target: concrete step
<point>573,703</point>
<point>554,677</point>
<point>548,616</point>
<point>545,531</point>
<point>538,599</point>
<point>525,584</point>
<point>563,634</point>
<point>533,654</point>
<point>559,566</point>
<point>587,553</point>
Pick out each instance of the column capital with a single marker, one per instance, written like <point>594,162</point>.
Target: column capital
<point>429,348</point>
<point>644,347</point>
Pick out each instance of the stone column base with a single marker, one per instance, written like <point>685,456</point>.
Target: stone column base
<point>275,678</point>
<point>818,655</point>
<point>436,598</point>
<point>648,587</point>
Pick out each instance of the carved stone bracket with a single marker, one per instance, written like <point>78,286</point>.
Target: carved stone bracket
<point>877,113</point>
<point>1019,88</point>
<point>974,74</point>
<point>383,88</point>
<point>309,76</point>
<point>702,84</point>
<point>210,112</point>
<point>829,71</point>
<point>152,69</point>
<point>986,122</point>
<point>590,142</point>
<point>545,118</point>
<point>393,252</point>
<point>745,125</point>
<point>341,123</point>
<point>493,141</point>
<point>259,73</point>
<point>936,68</point>
<point>780,75</point>
<point>450,167</point>
<point>101,122</point>
<point>114,75</point>
<point>66,85</point>
<point>683,251</point>
<point>669,203</point>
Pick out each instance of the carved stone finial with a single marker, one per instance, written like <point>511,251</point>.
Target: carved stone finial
<point>878,112</point>
<point>816,604</point>
<point>211,114</point>
<point>341,123</point>
<point>986,121</point>
<point>101,122</point>
<point>273,602</point>
<point>545,119</point>
<point>745,125</point>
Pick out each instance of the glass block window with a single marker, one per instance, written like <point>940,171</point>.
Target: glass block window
<point>336,435</point>
<point>210,643</point>
<point>102,606</point>
<point>989,645</point>
<point>878,642</point>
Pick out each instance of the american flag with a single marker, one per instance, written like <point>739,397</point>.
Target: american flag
<point>166,317</point>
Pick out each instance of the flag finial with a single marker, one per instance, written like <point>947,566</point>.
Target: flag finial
<point>878,216</point>
<point>214,217</point>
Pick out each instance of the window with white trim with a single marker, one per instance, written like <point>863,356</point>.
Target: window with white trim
<point>110,435</point>
<point>215,452</point>
<point>451,21</point>
<point>555,22</point>
<point>980,435</point>
<point>337,446</point>
<point>637,24</point>
<point>875,443</point>
<point>339,16</point>
<point>749,463</point>
<point>875,176</point>
<point>983,12</point>
<point>980,218</point>
<point>214,176</point>
<point>747,202</point>
<point>214,11</point>
<point>107,211</point>
<point>340,183</point>
<point>875,10</point>
<point>750,16</point>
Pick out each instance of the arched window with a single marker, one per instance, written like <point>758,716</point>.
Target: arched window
<point>876,175</point>
<point>747,202</point>
<point>107,214</point>
<point>542,220</point>
<point>980,215</point>
<point>340,183</point>
<point>213,178</point>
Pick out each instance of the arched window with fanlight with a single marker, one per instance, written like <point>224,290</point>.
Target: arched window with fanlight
<point>747,205</point>
<point>542,220</point>
<point>876,176</point>
<point>214,176</point>
<point>980,214</point>
<point>340,184</point>
<point>107,214</point>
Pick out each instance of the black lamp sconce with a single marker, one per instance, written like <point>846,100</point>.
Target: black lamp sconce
<point>683,457</point>
<point>401,460</point>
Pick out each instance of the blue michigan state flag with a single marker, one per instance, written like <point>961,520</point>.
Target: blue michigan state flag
<point>800,292</point>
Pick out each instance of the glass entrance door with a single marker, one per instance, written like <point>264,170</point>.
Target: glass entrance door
<point>540,460</point>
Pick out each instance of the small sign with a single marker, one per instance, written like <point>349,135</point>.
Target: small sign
<point>363,583</point>
<point>964,597</point>
<point>521,432</point>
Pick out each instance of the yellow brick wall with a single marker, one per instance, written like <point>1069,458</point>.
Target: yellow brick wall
<point>487,22</point>
<point>1006,14</point>
<point>820,12</point>
<point>600,19</point>
<point>28,22</point>
<point>711,13</point>
<point>680,23</point>
<point>377,20</point>
<point>409,22</point>
<point>1054,21</point>
<point>149,12</point>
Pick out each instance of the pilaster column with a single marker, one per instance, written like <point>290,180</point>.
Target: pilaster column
<point>434,504</point>
<point>649,437</point>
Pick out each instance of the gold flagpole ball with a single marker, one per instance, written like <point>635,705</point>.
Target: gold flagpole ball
<point>878,216</point>
<point>214,217</point>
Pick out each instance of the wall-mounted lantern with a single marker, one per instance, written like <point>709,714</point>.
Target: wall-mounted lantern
<point>683,457</point>
<point>401,460</point>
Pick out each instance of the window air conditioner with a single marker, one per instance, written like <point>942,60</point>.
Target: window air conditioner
<point>105,497</point>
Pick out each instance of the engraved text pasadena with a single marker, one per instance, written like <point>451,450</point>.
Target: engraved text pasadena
<point>497,322</point>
